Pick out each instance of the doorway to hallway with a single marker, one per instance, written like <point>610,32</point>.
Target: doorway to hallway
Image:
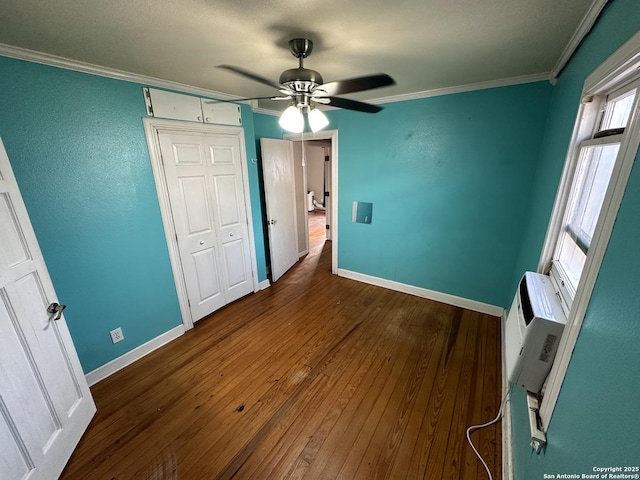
<point>317,230</point>
<point>325,193</point>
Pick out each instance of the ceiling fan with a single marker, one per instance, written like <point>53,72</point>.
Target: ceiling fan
<point>304,88</point>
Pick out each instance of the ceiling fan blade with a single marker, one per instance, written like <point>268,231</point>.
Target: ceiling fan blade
<point>252,76</point>
<point>357,84</point>
<point>353,105</point>
<point>245,99</point>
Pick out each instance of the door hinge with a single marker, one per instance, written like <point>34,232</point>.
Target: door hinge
<point>327,227</point>
<point>326,194</point>
<point>327,158</point>
<point>147,101</point>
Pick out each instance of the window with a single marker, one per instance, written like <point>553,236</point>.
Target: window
<point>595,158</point>
<point>600,157</point>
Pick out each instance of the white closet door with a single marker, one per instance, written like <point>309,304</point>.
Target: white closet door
<point>223,155</point>
<point>204,180</point>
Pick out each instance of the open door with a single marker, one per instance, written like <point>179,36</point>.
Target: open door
<point>279,188</point>
<point>45,402</point>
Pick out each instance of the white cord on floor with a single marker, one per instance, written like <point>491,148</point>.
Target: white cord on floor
<point>477,427</point>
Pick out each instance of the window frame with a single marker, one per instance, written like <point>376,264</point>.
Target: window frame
<point>559,276</point>
<point>621,68</point>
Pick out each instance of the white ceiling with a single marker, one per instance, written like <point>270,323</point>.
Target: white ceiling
<point>423,44</point>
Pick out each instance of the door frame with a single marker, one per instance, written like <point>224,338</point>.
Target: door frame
<point>333,136</point>
<point>151,128</point>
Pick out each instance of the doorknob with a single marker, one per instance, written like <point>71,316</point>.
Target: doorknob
<point>56,309</point>
<point>273,222</point>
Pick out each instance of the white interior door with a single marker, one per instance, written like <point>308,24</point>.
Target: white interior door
<point>203,173</point>
<point>45,402</point>
<point>279,187</point>
<point>223,154</point>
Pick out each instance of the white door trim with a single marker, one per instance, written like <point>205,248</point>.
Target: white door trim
<point>151,128</point>
<point>305,189</point>
<point>333,136</point>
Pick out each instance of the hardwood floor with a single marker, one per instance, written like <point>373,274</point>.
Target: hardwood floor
<point>317,230</point>
<point>316,377</point>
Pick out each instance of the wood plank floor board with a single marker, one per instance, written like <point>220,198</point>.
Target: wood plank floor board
<point>334,408</point>
<point>345,432</point>
<point>456,441</point>
<point>475,412</point>
<point>316,377</point>
<point>444,401</point>
<point>320,371</point>
<point>303,429</point>
<point>367,425</point>
<point>436,424</point>
<point>173,403</point>
<point>384,446</point>
<point>410,444</point>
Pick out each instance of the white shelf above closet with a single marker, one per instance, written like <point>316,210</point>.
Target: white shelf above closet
<point>177,106</point>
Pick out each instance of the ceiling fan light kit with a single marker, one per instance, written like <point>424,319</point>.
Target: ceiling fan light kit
<point>317,119</point>
<point>292,119</point>
<point>305,87</point>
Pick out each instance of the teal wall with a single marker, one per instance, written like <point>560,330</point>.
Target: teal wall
<point>449,178</point>
<point>77,146</point>
<point>596,422</point>
<point>266,126</point>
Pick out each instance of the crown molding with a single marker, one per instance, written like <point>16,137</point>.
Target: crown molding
<point>265,111</point>
<point>437,92</point>
<point>583,29</point>
<point>92,69</point>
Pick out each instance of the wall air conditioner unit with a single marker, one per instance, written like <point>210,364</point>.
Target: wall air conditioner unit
<point>532,332</point>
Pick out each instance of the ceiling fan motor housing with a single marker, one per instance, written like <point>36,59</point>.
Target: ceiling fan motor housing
<point>300,79</point>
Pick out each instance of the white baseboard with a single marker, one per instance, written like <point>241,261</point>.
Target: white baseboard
<point>424,293</point>
<point>131,356</point>
<point>264,284</point>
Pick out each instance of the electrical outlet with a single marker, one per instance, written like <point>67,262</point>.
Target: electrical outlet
<point>117,335</point>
